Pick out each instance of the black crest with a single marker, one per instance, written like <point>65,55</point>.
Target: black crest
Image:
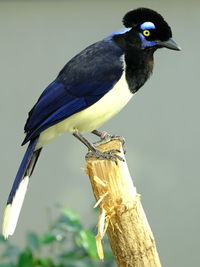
<point>138,16</point>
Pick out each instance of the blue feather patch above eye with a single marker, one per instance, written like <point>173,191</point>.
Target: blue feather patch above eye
<point>147,26</point>
<point>122,31</point>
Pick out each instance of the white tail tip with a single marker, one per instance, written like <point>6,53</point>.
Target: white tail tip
<point>12,210</point>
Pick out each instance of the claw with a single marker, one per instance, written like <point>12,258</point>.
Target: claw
<point>107,137</point>
<point>108,155</point>
<point>113,137</point>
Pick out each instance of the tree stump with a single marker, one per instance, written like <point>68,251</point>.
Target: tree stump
<point>121,212</point>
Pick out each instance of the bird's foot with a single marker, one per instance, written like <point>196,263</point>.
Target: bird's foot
<point>108,155</point>
<point>106,137</point>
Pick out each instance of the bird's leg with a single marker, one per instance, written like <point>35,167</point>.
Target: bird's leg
<point>106,137</point>
<point>102,135</point>
<point>95,153</point>
<point>81,138</point>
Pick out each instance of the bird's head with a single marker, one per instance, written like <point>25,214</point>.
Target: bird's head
<point>152,29</point>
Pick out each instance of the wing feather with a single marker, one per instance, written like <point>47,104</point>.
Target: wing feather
<point>82,82</point>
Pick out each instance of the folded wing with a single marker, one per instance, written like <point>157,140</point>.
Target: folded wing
<point>82,82</point>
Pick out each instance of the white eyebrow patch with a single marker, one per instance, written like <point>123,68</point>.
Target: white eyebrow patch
<point>147,26</point>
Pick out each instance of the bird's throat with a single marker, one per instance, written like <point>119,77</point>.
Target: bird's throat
<point>138,61</point>
<point>139,67</point>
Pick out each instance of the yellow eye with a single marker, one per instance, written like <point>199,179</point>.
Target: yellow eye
<point>146,33</point>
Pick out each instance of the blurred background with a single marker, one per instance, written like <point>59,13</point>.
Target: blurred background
<point>160,124</point>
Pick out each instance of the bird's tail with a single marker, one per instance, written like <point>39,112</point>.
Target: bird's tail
<point>18,191</point>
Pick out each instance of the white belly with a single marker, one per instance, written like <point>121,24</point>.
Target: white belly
<point>92,117</point>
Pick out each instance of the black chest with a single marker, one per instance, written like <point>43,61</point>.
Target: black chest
<point>139,66</point>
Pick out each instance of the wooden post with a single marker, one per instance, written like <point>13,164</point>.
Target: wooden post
<point>121,212</point>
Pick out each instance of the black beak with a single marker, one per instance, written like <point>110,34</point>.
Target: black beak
<point>171,44</point>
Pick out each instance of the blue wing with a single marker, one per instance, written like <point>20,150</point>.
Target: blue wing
<point>82,82</point>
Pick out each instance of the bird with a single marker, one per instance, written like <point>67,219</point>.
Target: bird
<point>90,89</point>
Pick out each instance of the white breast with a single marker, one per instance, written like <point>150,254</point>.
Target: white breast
<point>92,117</point>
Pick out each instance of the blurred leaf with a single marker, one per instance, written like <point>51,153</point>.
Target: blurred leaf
<point>70,220</point>
<point>32,241</point>
<point>60,235</point>
<point>87,240</point>
<point>72,215</point>
<point>46,262</point>
<point>25,259</point>
<point>65,244</point>
<point>48,238</point>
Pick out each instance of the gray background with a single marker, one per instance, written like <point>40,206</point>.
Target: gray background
<point>161,123</point>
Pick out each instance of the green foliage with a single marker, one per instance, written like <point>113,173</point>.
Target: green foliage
<point>65,244</point>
